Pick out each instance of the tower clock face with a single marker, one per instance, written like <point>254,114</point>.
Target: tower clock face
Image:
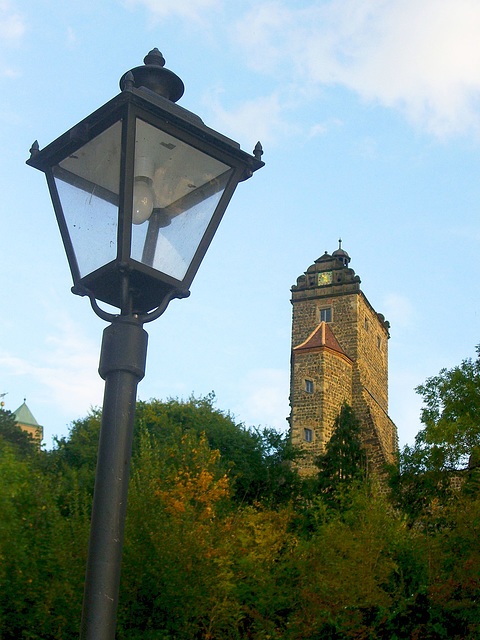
<point>325,278</point>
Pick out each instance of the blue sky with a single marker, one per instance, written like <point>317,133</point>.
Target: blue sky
<point>369,114</point>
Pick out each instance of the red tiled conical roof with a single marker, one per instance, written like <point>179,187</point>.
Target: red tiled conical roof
<point>322,336</point>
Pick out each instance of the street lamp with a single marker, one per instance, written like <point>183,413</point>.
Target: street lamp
<point>139,188</point>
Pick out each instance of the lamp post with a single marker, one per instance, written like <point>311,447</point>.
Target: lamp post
<point>139,188</point>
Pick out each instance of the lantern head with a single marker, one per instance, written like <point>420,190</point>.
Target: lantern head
<point>139,188</point>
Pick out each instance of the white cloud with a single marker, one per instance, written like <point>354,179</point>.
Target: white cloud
<point>265,35</point>
<point>188,9</point>
<point>322,128</point>
<point>420,57</point>
<point>65,366</point>
<point>12,30</point>
<point>12,24</point>
<point>263,116</point>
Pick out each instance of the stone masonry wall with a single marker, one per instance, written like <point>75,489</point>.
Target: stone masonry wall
<point>372,353</point>
<point>331,376</point>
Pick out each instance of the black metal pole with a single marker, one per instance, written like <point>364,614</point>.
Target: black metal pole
<point>122,366</point>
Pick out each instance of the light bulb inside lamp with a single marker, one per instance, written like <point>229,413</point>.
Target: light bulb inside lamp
<point>143,200</point>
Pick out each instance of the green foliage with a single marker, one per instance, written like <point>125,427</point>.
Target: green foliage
<point>79,449</point>
<point>451,416</point>
<point>216,545</point>
<point>41,555</point>
<point>174,534</point>
<point>12,435</point>
<point>71,464</point>
<point>446,451</point>
<point>348,568</point>
<point>344,461</point>
<point>257,460</point>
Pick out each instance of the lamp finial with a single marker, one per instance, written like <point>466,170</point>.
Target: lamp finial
<point>154,57</point>
<point>34,149</point>
<point>155,77</point>
<point>258,151</point>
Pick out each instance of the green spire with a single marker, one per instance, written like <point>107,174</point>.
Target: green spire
<point>23,415</point>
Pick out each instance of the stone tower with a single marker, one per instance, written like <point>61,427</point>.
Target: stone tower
<point>339,353</point>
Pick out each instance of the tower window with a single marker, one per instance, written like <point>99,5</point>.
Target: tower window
<point>326,314</point>
<point>308,435</point>
<point>379,342</point>
<point>308,386</point>
<point>366,324</point>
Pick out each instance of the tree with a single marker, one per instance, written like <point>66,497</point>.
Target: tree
<point>201,563</point>
<point>447,449</point>
<point>257,460</point>
<point>12,435</point>
<point>344,461</point>
<point>175,534</point>
<point>42,553</point>
<point>451,415</point>
<point>73,460</point>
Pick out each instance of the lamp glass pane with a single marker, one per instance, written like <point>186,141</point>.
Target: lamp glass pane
<point>88,187</point>
<point>184,186</point>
